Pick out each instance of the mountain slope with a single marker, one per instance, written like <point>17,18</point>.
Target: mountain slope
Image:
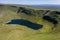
<point>21,32</point>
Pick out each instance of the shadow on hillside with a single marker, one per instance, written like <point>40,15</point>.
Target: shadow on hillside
<point>26,23</point>
<point>24,10</point>
<point>13,6</point>
<point>50,19</point>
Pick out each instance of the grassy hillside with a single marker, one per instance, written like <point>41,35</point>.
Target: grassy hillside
<point>21,32</point>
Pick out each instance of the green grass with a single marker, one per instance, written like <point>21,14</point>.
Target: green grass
<point>19,32</point>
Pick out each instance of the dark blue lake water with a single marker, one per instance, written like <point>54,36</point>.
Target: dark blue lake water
<point>26,23</point>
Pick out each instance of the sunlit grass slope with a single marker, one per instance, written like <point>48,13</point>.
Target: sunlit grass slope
<point>20,32</point>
